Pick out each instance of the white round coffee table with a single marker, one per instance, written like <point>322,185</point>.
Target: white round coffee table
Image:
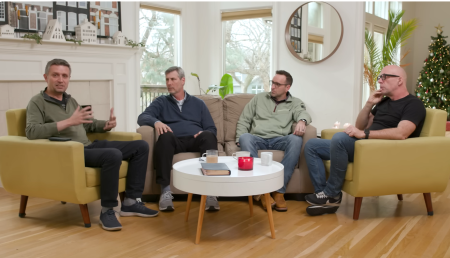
<point>261,180</point>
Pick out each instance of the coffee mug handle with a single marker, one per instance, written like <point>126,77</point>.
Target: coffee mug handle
<point>234,156</point>
<point>203,155</point>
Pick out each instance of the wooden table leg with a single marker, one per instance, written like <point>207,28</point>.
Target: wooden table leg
<point>201,213</point>
<point>188,206</point>
<point>250,204</point>
<point>269,213</point>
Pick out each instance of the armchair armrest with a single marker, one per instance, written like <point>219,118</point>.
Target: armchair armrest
<point>416,165</point>
<point>114,136</point>
<point>328,133</point>
<point>41,168</point>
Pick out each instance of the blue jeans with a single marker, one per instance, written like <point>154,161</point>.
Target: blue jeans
<point>290,144</point>
<point>339,150</point>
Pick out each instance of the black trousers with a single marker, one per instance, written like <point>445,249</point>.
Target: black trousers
<point>108,155</point>
<point>169,145</point>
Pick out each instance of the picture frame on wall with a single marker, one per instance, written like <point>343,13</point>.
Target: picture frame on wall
<point>28,16</point>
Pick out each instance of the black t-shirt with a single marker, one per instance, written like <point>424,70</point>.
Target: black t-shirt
<point>389,113</point>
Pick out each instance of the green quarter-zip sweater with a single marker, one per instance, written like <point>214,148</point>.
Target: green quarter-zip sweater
<point>264,118</point>
<point>43,113</point>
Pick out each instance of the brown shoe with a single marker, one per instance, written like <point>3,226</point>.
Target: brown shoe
<point>263,201</point>
<point>280,202</point>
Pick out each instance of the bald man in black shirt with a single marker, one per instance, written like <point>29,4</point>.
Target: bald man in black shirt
<point>390,113</point>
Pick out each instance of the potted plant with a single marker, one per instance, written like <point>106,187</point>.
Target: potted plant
<point>226,85</point>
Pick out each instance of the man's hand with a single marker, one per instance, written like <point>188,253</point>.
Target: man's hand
<point>111,123</point>
<point>300,128</point>
<point>161,128</point>
<point>355,132</point>
<point>375,97</point>
<point>197,134</point>
<point>81,116</point>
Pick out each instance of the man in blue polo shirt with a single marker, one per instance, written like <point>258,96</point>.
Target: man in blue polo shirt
<point>185,125</point>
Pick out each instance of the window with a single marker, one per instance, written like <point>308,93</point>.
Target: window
<point>72,21</point>
<point>104,5</point>
<point>2,12</point>
<point>159,30</point>
<point>61,16</point>
<point>247,49</point>
<point>42,21</point>
<point>315,14</point>
<point>72,4</point>
<point>81,17</point>
<point>113,25</point>
<point>82,4</point>
<point>377,15</point>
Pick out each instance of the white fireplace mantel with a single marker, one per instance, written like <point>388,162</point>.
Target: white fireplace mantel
<point>24,60</point>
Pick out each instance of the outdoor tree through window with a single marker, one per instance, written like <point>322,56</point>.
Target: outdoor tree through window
<point>159,32</point>
<point>248,44</point>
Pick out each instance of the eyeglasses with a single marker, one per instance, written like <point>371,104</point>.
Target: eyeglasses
<point>383,76</point>
<point>276,84</point>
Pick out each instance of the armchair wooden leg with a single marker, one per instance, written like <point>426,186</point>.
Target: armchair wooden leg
<point>357,207</point>
<point>85,214</point>
<point>400,197</point>
<point>427,197</point>
<point>23,205</point>
<point>122,197</point>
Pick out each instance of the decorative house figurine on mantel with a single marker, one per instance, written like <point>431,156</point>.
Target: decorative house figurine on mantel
<point>6,31</point>
<point>53,32</point>
<point>119,38</point>
<point>86,32</point>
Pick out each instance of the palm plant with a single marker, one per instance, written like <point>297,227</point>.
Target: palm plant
<point>396,35</point>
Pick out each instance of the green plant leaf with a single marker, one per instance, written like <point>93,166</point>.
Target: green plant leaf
<point>227,85</point>
<point>194,74</point>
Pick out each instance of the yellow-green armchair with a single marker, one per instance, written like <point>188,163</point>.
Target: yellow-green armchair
<point>52,170</point>
<point>384,167</point>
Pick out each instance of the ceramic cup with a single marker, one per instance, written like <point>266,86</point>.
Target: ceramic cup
<point>238,154</point>
<point>266,158</point>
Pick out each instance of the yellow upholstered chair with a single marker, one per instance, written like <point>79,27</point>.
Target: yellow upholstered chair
<point>384,167</point>
<point>52,170</point>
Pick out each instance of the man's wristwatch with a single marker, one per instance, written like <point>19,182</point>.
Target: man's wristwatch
<point>304,120</point>
<point>367,132</point>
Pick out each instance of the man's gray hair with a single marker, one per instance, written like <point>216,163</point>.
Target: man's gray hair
<point>179,70</point>
<point>57,62</point>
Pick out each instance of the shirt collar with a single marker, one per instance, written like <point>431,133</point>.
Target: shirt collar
<point>288,94</point>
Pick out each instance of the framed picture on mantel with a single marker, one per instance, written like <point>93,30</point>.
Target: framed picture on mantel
<point>28,16</point>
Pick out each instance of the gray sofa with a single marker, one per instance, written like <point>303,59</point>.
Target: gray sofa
<point>225,114</point>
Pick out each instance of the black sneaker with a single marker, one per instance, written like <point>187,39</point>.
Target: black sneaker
<point>322,199</point>
<point>109,221</point>
<point>315,210</point>
<point>137,209</point>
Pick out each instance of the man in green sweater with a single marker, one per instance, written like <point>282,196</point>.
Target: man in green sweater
<point>54,113</point>
<point>265,124</point>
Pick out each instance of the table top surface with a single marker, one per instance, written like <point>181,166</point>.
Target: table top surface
<point>190,169</point>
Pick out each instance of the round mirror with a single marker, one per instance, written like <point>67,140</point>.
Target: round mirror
<point>314,32</point>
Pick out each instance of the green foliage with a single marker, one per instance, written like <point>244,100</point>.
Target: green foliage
<point>133,44</point>
<point>396,35</point>
<point>226,84</point>
<point>75,41</point>
<point>33,36</point>
<point>433,86</point>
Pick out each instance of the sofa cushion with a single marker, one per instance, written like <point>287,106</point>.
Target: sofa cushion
<point>214,104</point>
<point>93,174</point>
<point>233,105</point>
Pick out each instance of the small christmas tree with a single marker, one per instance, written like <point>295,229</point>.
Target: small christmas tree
<point>433,83</point>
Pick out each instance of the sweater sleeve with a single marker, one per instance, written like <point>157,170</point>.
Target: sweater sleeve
<point>207,121</point>
<point>36,127</point>
<point>151,114</point>
<point>245,120</point>
<point>301,113</point>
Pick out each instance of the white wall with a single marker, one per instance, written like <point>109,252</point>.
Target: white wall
<point>429,14</point>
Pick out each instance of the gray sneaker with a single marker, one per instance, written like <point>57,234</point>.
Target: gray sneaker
<point>212,204</point>
<point>165,201</point>
<point>109,221</point>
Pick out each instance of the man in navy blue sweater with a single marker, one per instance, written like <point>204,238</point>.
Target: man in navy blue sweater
<point>185,125</point>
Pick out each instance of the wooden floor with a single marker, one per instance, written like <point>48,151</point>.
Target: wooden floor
<point>386,228</point>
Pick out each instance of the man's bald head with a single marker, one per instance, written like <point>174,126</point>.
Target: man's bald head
<point>395,70</point>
